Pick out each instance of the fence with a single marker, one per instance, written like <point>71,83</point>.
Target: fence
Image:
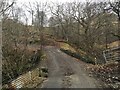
<point>112,54</point>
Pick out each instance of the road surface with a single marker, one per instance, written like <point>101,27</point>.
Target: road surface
<point>66,71</point>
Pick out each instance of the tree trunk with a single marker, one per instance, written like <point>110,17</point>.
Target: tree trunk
<point>119,27</point>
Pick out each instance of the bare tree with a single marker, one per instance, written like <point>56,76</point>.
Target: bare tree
<point>58,13</point>
<point>85,16</point>
<point>4,6</point>
<point>12,53</point>
<point>86,22</point>
<point>40,19</point>
<point>30,9</point>
<point>115,6</point>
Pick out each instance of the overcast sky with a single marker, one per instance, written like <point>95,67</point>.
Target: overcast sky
<point>49,0</point>
<point>22,2</point>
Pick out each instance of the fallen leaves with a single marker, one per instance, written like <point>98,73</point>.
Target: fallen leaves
<point>108,73</point>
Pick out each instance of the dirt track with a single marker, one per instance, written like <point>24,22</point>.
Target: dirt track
<point>66,72</point>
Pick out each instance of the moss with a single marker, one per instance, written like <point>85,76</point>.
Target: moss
<point>66,46</point>
<point>78,56</point>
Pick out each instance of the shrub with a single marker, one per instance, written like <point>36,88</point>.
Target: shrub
<point>17,62</point>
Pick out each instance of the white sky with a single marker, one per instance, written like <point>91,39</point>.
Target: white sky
<point>49,0</point>
<point>22,2</point>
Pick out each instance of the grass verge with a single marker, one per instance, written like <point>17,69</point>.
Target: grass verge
<point>68,49</point>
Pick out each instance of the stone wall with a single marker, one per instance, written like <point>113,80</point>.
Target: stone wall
<point>30,79</point>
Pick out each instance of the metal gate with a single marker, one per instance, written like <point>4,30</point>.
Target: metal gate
<point>112,54</point>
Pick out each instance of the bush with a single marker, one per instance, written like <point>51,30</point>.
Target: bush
<point>17,62</point>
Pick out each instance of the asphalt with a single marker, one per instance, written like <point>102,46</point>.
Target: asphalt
<point>66,72</point>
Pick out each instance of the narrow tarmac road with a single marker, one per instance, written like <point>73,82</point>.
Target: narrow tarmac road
<point>65,71</point>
